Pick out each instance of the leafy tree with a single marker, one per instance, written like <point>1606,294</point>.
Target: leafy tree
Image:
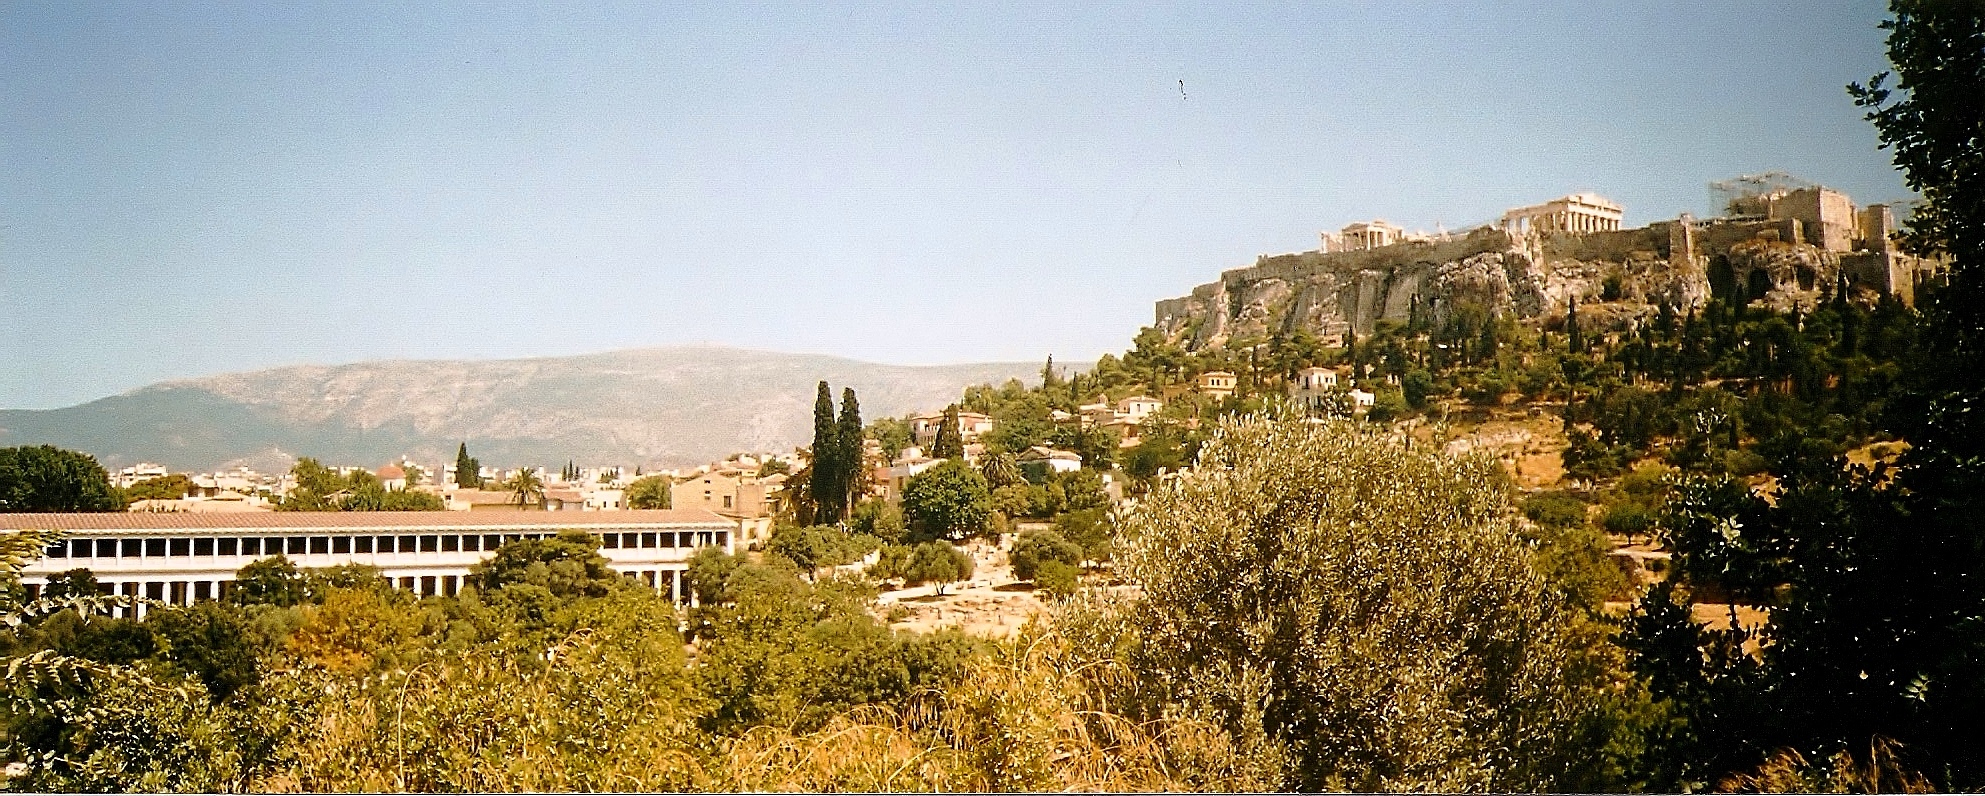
<point>468,471</point>
<point>1097,446</point>
<point>165,487</point>
<point>809,548</point>
<point>1057,579</point>
<point>878,518</point>
<point>893,433</point>
<point>270,581</point>
<point>1034,548</point>
<point>374,497</point>
<point>1076,490</point>
<point>652,492</point>
<point>1163,452</point>
<point>938,563</point>
<point>950,444</point>
<point>78,582</point>
<point>568,565</point>
<point>708,572</point>
<point>44,478</point>
<point>356,629</point>
<point>1554,510</point>
<point>1364,605</point>
<point>213,642</point>
<point>1090,529</point>
<point>947,501</point>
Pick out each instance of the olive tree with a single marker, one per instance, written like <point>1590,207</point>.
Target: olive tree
<point>1365,603</point>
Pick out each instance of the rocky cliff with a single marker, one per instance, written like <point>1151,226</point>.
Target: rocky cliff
<point>1679,262</point>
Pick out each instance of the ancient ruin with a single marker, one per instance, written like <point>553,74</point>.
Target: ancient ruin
<point>1782,242</point>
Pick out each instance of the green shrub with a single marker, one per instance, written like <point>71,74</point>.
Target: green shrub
<point>1035,548</point>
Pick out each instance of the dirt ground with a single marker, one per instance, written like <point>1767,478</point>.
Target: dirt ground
<point>1528,440</point>
<point>992,604</point>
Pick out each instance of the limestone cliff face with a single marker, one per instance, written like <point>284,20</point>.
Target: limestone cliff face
<point>1339,293</point>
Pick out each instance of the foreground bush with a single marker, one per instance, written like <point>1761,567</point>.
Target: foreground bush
<point>1364,603</point>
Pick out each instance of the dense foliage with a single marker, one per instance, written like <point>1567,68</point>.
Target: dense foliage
<point>43,478</point>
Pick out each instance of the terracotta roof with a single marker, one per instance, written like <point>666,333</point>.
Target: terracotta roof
<point>391,472</point>
<point>304,520</point>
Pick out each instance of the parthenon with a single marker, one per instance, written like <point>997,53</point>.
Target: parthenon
<point>1579,212</point>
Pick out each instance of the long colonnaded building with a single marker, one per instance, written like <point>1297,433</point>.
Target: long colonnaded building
<point>178,558</point>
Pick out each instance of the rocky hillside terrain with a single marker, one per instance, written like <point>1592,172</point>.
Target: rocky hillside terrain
<point>1618,278</point>
<point>659,407</point>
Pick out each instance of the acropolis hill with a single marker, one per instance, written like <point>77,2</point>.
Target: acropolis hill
<point>1783,242</point>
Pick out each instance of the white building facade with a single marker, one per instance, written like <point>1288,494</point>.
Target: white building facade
<point>185,557</point>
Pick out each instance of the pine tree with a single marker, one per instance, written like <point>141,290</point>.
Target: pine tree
<point>949,444</point>
<point>826,482</point>
<point>848,453</point>
<point>467,470</point>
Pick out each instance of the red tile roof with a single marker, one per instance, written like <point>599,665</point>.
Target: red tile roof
<point>305,520</point>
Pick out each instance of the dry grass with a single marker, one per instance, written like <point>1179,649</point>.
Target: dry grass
<point>1880,771</point>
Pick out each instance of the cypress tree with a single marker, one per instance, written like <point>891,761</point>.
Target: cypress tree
<point>848,453</point>
<point>1571,327</point>
<point>467,470</point>
<point>949,444</point>
<point>826,482</point>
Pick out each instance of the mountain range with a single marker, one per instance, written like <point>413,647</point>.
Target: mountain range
<point>667,407</point>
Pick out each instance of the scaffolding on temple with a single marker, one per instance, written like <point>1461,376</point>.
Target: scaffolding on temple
<point>1732,196</point>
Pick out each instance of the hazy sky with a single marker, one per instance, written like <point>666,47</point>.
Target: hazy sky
<point>196,189</point>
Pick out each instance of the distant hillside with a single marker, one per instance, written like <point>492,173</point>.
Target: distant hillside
<point>659,406</point>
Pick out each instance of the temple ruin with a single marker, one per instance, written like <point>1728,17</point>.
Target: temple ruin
<point>1781,241</point>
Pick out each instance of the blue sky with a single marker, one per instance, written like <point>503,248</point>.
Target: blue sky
<point>201,188</point>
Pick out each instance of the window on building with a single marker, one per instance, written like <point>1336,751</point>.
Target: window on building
<point>57,550</point>
<point>320,545</point>
<point>648,540</point>
<point>203,547</point>
<point>406,544</point>
<point>179,547</point>
<point>81,548</point>
<point>450,584</point>
<point>154,548</point>
<point>471,543</point>
<point>451,543</point>
<point>723,538</point>
<point>430,544</point>
<point>227,546</point>
<point>727,501</point>
<point>297,545</point>
<point>251,546</point>
<point>106,548</point>
<point>427,585</point>
<point>203,590</point>
<point>610,541</point>
<point>362,544</point>
<point>341,544</point>
<point>492,541</point>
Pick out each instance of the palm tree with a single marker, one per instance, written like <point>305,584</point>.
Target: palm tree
<point>526,488</point>
<point>1001,470</point>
